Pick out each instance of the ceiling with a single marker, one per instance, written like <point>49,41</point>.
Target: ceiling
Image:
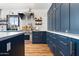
<point>25,5</point>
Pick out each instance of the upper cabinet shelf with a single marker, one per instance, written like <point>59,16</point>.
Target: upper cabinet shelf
<point>38,20</point>
<point>3,22</point>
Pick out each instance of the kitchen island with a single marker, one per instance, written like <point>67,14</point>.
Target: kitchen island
<point>12,43</point>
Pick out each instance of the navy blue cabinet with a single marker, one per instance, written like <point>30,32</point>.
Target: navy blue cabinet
<point>39,37</point>
<point>51,17</point>
<point>74,18</point>
<point>57,17</point>
<point>53,21</point>
<point>61,45</point>
<point>64,17</point>
<point>16,44</point>
<point>3,48</point>
<point>51,42</point>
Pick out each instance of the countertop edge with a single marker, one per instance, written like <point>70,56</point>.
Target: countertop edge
<point>10,36</point>
<point>70,35</point>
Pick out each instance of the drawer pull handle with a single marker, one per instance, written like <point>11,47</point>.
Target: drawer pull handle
<point>53,37</point>
<point>71,48</point>
<point>61,53</point>
<point>63,43</point>
<point>62,37</point>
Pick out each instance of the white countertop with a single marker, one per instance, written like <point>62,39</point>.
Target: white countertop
<point>5,35</point>
<point>76,36</point>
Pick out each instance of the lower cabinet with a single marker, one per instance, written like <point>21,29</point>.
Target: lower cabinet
<point>3,48</point>
<point>39,37</point>
<point>13,46</point>
<point>17,46</point>
<point>61,45</point>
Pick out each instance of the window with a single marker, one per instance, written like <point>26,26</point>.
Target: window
<point>13,21</point>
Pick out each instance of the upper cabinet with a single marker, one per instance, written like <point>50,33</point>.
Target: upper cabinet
<point>74,18</point>
<point>64,17</point>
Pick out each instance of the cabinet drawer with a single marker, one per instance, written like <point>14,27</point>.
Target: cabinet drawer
<point>62,39</point>
<point>60,36</point>
<point>65,50</point>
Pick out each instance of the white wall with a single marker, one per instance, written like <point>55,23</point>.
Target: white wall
<point>38,12</point>
<point>2,28</point>
<point>42,13</point>
<point>9,11</point>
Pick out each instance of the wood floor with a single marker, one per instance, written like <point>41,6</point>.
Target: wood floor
<point>36,49</point>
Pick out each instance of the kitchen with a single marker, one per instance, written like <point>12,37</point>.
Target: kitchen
<point>20,19</point>
<point>39,29</point>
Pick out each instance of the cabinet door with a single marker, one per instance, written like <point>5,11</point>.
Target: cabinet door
<point>17,46</point>
<point>35,37</point>
<point>53,21</point>
<point>51,13</point>
<point>64,17</point>
<point>73,47</point>
<point>44,37</point>
<point>51,17</point>
<point>74,18</point>
<point>39,37</point>
<point>54,16</point>
<point>3,48</point>
<point>64,44</point>
<point>76,47</point>
<point>57,17</point>
<point>49,20</point>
